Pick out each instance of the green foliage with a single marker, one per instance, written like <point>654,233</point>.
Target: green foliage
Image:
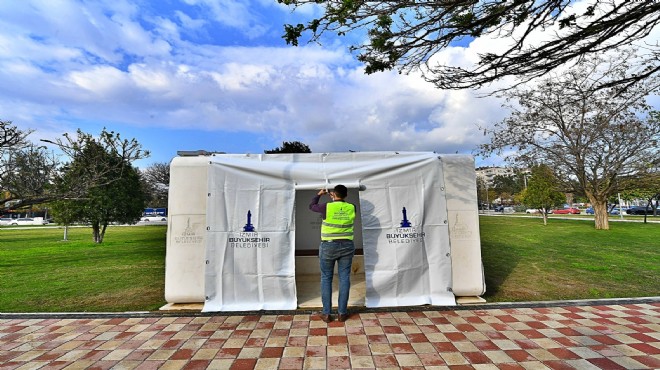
<point>108,189</point>
<point>510,185</point>
<point>290,147</point>
<point>541,192</point>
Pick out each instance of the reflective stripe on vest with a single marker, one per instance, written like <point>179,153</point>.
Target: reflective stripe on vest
<point>338,223</point>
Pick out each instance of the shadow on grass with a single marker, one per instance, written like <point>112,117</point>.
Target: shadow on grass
<point>499,261</point>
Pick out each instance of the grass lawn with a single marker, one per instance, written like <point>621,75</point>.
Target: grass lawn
<point>41,273</point>
<point>523,260</point>
<point>568,259</point>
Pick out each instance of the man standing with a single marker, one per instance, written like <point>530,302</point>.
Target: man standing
<point>336,246</point>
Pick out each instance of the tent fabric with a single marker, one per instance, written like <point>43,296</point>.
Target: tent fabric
<point>250,248</point>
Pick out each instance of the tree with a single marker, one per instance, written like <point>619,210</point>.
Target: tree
<point>643,187</point>
<point>102,185</point>
<point>26,175</point>
<point>290,147</point>
<point>507,187</point>
<point>542,192</point>
<point>482,193</point>
<point>91,155</point>
<point>26,170</point>
<point>11,136</point>
<point>587,135</point>
<point>157,183</point>
<point>63,214</point>
<point>408,34</point>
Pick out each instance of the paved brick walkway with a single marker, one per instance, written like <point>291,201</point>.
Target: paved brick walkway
<point>613,336</point>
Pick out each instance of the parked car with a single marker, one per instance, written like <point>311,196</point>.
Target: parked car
<point>21,221</point>
<point>534,210</point>
<point>590,211</point>
<point>25,221</point>
<point>566,211</point>
<point>5,221</point>
<point>640,210</point>
<point>153,218</point>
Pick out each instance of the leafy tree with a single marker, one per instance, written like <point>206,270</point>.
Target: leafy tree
<point>102,185</point>
<point>507,187</point>
<point>542,192</point>
<point>94,168</point>
<point>290,147</point>
<point>643,187</point>
<point>408,34</point>
<point>63,214</point>
<point>587,135</point>
<point>157,183</point>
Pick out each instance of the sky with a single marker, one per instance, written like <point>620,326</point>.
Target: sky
<point>216,75</point>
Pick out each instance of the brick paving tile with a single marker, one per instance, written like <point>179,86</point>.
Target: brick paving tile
<point>616,336</point>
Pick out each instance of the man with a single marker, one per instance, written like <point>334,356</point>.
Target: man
<point>336,246</point>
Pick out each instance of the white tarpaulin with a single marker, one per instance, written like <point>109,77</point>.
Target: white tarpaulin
<point>251,238</point>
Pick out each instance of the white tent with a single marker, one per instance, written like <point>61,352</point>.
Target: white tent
<point>236,222</point>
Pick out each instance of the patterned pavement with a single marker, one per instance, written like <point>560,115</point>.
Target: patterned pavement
<point>582,335</point>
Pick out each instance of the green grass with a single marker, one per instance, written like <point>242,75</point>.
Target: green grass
<point>568,259</point>
<point>39,272</point>
<point>523,260</point>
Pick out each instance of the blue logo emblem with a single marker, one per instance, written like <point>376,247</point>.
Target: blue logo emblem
<point>248,226</point>
<point>405,222</point>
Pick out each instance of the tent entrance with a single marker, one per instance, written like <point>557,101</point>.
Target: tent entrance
<point>307,236</point>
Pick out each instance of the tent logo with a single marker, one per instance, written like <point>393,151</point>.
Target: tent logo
<point>248,228</point>
<point>249,238</point>
<point>405,222</point>
<point>188,236</point>
<point>406,234</point>
<point>460,230</point>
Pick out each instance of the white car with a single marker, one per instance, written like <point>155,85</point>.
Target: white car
<point>5,221</point>
<point>28,221</point>
<point>153,218</point>
<point>534,210</point>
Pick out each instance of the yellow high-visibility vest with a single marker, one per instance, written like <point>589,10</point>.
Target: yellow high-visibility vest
<point>338,223</point>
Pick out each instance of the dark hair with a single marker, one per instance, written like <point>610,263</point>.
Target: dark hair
<point>341,191</point>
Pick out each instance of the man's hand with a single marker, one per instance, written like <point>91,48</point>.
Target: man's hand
<point>322,191</point>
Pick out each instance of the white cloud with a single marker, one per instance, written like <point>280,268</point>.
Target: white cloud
<point>66,62</point>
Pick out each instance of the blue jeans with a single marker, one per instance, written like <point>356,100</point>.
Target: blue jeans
<point>342,253</point>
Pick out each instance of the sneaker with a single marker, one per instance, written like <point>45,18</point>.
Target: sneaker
<point>326,318</point>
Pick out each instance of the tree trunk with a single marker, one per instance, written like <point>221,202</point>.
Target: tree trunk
<point>601,217</point>
<point>102,233</point>
<point>96,232</point>
<point>544,213</point>
<point>66,232</point>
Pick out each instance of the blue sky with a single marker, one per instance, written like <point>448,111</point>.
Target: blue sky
<point>216,75</point>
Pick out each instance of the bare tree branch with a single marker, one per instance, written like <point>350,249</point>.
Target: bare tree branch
<point>407,34</point>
